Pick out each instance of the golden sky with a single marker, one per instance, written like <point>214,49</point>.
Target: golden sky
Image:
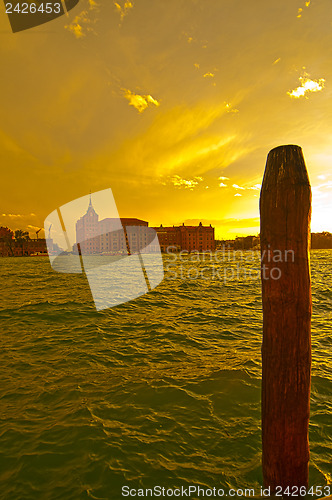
<point>174,104</point>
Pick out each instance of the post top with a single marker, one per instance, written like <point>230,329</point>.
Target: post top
<point>284,164</point>
<point>288,146</point>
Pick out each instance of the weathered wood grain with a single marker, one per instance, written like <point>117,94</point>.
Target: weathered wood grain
<point>285,211</point>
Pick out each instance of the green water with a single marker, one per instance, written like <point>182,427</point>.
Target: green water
<point>164,390</point>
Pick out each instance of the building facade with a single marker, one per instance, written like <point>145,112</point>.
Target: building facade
<point>12,248</point>
<point>130,236</point>
<point>191,238</point>
<point>87,231</point>
<point>111,235</point>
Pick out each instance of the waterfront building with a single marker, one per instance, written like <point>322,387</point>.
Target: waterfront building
<point>87,231</point>
<point>110,235</point>
<point>191,238</point>
<point>12,248</point>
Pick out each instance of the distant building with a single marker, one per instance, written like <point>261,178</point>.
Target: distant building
<point>37,245</point>
<point>12,248</point>
<point>190,238</point>
<point>113,236</point>
<point>132,234</point>
<point>6,250</point>
<point>88,232</point>
<point>246,242</point>
<point>110,235</point>
<point>168,237</point>
<point>239,243</point>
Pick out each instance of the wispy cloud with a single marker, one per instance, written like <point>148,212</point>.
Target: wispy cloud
<point>83,22</point>
<point>187,184</point>
<point>76,26</point>
<point>140,102</point>
<point>13,216</point>
<point>180,141</point>
<point>18,216</point>
<point>124,8</point>
<point>238,194</point>
<point>300,10</point>
<point>221,178</point>
<point>180,137</point>
<point>255,187</point>
<point>209,75</point>
<point>307,85</point>
<point>325,185</point>
<point>222,185</point>
<point>230,109</point>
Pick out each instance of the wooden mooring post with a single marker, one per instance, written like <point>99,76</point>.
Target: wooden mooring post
<point>285,212</point>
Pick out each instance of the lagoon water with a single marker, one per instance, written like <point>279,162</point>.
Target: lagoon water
<point>163,390</point>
